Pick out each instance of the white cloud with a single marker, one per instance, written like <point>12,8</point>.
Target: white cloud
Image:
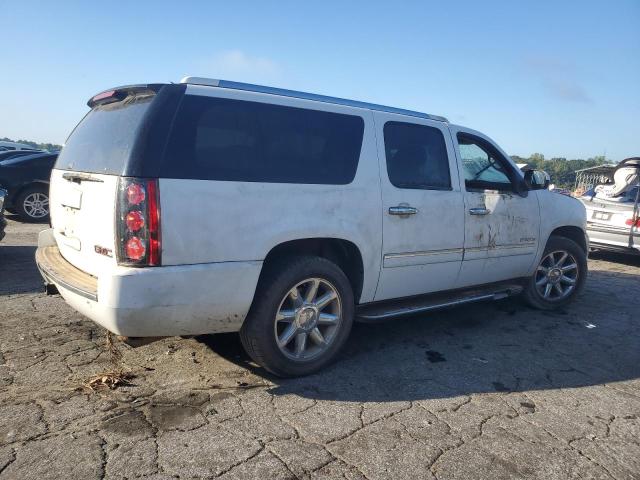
<point>236,65</point>
<point>568,90</point>
<point>560,78</point>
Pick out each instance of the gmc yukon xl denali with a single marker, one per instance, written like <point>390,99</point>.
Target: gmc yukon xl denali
<point>214,206</point>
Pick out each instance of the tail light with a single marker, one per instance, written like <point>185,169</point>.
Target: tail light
<point>138,223</point>
<point>632,222</point>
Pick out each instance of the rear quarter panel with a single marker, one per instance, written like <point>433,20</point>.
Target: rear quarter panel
<point>205,221</point>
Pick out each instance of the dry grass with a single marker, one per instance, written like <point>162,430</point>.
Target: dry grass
<point>114,378</point>
<point>109,380</point>
<point>115,355</point>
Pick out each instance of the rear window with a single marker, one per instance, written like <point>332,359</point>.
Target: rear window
<point>233,140</point>
<point>103,140</point>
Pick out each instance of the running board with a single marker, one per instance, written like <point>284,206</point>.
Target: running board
<point>380,311</point>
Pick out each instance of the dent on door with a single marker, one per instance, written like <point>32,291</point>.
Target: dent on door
<point>501,227</point>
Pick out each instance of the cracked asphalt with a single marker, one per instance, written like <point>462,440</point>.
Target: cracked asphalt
<point>491,390</point>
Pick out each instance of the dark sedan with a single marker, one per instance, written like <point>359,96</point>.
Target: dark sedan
<point>9,154</point>
<point>3,222</point>
<point>26,180</point>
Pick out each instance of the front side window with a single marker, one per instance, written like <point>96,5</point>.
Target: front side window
<point>416,156</point>
<point>242,141</point>
<point>482,167</point>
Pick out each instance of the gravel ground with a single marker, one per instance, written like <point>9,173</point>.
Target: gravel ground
<point>492,390</point>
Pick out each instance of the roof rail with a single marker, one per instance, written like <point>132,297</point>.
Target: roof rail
<point>212,82</point>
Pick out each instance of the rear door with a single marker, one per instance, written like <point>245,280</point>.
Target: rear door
<point>423,222</point>
<point>84,182</point>
<point>82,218</point>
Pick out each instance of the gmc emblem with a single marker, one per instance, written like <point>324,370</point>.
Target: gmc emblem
<point>103,251</point>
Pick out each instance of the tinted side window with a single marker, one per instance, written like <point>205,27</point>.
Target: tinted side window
<point>233,140</point>
<point>416,156</point>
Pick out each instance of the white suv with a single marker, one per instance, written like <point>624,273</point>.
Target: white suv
<point>212,206</point>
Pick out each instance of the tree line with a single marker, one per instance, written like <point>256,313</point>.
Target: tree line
<point>561,170</point>
<point>39,146</point>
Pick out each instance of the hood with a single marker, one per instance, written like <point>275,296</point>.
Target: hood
<point>24,159</point>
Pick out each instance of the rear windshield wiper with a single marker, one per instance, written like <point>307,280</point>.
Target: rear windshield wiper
<point>80,177</point>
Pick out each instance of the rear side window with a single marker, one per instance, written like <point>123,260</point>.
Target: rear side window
<point>102,142</point>
<point>416,156</point>
<point>233,140</point>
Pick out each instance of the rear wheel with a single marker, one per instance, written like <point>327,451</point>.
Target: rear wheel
<point>32,205</point>
<point>301,316</point>
<point>560,275</point>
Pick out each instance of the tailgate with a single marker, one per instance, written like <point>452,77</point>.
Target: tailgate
<point>83,219</point>
<point>84,181</point>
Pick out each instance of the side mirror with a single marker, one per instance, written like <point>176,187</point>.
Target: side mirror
<point>537,179</point>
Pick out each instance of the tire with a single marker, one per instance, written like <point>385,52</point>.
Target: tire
<point>262,331</point>
<point>562,273</point>
<point>32,205</point>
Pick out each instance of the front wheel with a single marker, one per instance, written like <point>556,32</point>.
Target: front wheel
<point>301,316</point>
<point>559,276</point>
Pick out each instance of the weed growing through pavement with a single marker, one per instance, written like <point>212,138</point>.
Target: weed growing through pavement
<point>117,376</point>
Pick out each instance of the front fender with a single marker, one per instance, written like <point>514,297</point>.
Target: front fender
<point>558,211</point>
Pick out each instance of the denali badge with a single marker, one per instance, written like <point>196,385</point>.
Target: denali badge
<point>103,251</point>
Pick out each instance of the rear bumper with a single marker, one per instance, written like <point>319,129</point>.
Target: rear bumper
<point>57,271</point>
<point>158,301</point>
<point>607,238</point>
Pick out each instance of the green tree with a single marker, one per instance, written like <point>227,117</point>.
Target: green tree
<point>32,144</point>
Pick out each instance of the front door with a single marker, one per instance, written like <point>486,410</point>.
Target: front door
<point>501,226</point>
<point>423,216</point>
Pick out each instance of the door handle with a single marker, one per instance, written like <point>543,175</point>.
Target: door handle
<point>479,211</point>
<point>402,210</point>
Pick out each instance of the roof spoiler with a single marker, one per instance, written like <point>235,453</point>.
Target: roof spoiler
<point>120,93</point>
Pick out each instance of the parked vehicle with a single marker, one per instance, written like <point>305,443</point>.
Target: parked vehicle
<point>613,217</point>
<point>4,145</point>
<point>3,221</point>
<point>9,154</point>
<point>213,206</point>
<point>26,179</point>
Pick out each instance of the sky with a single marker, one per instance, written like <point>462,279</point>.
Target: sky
<point>561,78</point>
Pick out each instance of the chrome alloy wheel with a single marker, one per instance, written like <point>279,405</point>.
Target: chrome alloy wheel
<point>308,319</point>
<point>557,275</point>
<point>36,205</point>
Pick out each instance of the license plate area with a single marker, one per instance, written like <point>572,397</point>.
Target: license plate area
<point>71,197</point>
<point>602,216</point>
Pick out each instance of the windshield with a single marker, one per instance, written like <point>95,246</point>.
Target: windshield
<point>102,142</point>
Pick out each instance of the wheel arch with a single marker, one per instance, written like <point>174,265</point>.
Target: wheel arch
<point>343,253</point>
<point>574,233</point>
<point>18,191</point>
